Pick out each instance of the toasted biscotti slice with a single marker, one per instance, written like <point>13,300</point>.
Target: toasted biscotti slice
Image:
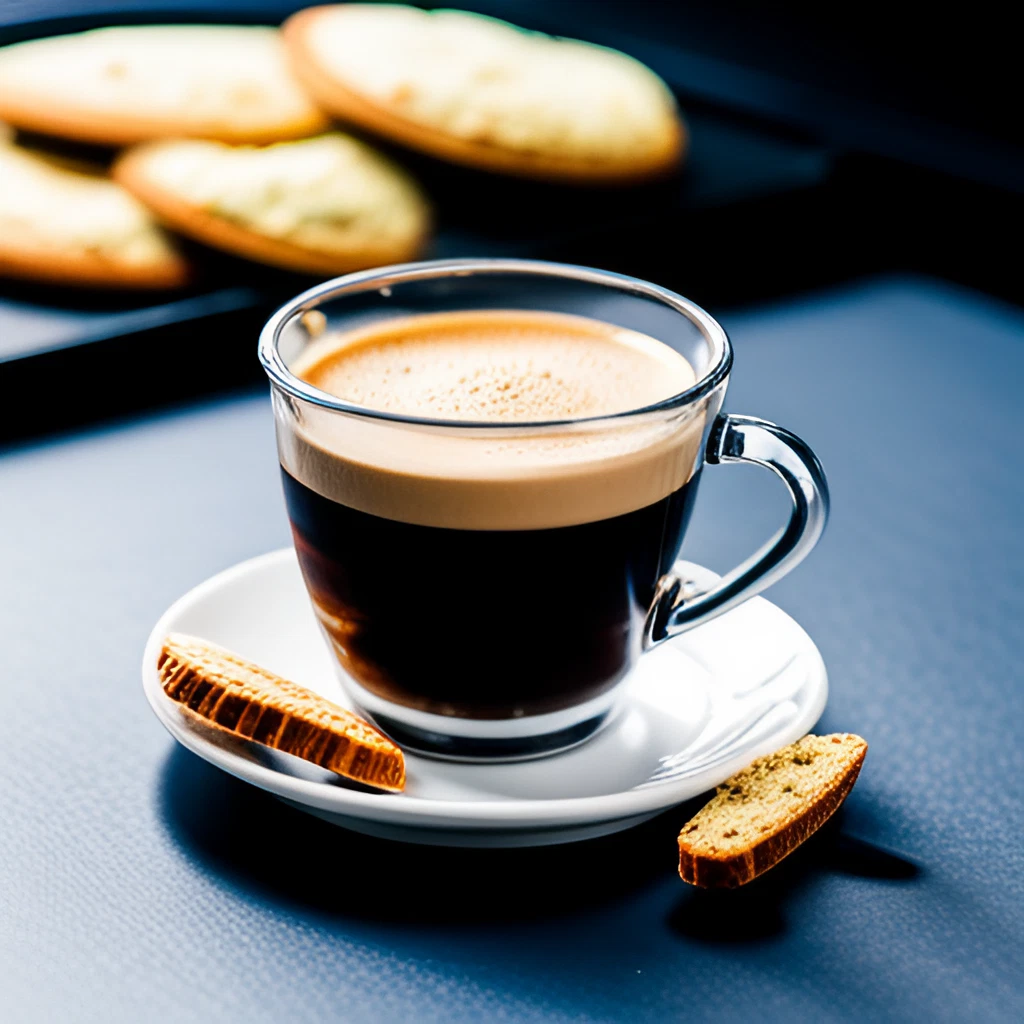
<point>248,701</point>
<point>763,813</point>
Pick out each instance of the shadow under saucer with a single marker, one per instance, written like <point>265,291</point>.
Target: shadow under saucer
<point>273,852</point>
<point>252,840</point>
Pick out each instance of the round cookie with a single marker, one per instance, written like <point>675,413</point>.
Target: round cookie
<point>116,86</point>
<point>326,205</point>
<point>481,92</point>
<point>64,227</point>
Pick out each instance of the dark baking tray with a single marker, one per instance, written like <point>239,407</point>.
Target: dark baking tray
<point>89,349</point>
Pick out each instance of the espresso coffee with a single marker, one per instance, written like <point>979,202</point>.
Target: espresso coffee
<point>495,569</point>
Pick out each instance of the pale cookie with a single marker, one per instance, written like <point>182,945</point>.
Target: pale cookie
<point>61,226</point>
<point>326,205</point>
<point>481,92</point>
<point>116,86</point>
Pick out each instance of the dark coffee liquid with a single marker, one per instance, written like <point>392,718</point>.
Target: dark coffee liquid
<point>488,574</point>
<point>484,623</point>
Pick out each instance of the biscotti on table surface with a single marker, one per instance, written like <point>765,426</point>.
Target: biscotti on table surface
<point>768,809</point>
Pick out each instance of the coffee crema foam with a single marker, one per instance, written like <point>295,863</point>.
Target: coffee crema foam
<point>499,371</point>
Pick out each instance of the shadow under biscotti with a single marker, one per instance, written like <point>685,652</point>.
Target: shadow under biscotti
<point>757,911</point>
<point>275,853</point>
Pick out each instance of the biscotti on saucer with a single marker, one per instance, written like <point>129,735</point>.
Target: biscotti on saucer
<point>241,698</point>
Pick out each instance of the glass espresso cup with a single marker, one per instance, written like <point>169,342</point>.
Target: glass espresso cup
<point>486,587</point>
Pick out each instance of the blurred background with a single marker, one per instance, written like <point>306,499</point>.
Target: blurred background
<point>826,145</point>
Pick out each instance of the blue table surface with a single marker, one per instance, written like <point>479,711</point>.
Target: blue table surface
<point>138,883</point>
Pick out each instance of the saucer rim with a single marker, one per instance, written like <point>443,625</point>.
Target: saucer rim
<point>401,808</point>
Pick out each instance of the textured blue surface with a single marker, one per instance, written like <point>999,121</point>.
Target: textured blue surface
<point>137,883</point>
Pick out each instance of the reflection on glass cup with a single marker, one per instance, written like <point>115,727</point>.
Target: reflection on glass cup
<point>486,585</point>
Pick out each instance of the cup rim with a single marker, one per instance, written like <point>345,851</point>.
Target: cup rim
<point>388,276</point>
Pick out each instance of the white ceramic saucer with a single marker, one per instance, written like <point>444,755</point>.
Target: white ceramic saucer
<point>696,710</point>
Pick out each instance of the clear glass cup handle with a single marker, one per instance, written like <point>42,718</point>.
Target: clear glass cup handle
<point>749,439</point>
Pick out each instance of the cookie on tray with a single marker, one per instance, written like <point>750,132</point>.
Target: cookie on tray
<point>115,86</point>
<point>326,205</point>
<point>478,91</point>
<point>65,227</point>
